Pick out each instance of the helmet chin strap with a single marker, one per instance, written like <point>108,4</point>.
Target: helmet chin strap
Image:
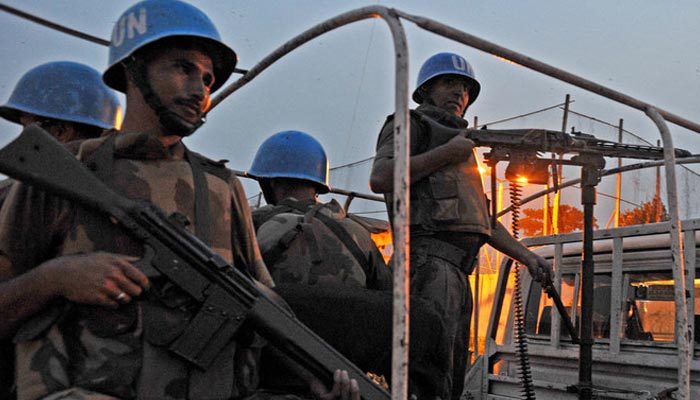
<point>171,122</point>
<point>429,100</point>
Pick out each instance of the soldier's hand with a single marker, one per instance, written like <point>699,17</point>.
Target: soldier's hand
<point>540,269</point>
<point>104,279</point>
<point>458,149</point>
<point>343,388</point>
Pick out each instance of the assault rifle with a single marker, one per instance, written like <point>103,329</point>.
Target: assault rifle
<point>228,297</point>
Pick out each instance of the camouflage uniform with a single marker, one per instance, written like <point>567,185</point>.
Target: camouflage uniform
<point>74,350</point>
<point>449,223</point>
<point>299,248</point>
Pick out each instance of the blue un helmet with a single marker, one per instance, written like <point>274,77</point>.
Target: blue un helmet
<point>67,91</point>
<point>151,20</point>
<point>446,64</point>
<point>292,154</point>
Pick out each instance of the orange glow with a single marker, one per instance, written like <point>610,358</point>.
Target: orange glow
<point>522,180</point>
<point>118,119</point>
<point>384,243</point>
<point>483,171</point>
<point>508,61</point>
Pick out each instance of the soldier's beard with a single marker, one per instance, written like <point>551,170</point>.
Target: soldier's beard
<point>171,123</point>
<point>175,125</point>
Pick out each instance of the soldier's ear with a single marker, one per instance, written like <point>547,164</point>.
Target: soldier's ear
<point>267,190</point>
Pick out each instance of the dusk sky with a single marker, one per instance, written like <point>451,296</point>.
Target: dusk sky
<point>339,87</point>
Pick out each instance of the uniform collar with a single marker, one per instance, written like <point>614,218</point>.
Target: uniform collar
<point>135,145</point>
<point>442,116</point>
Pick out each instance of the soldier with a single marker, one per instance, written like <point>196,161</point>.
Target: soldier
<point>70,101</point>
<point>449,218</point>
<point>302,240</point>
<point>90,323</point>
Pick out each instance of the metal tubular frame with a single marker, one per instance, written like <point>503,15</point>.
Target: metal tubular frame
<point>401,180</point>
<point>400,344</point>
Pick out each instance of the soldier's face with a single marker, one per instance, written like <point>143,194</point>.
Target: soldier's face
<point>182,79</point>
<point>451,93</point>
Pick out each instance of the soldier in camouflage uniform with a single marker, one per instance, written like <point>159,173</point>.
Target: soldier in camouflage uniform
<point>71,102</point>
<point>88,322</point>
<point>302,240</point>
<point>449,218</point>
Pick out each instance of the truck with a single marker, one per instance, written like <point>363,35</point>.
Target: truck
<point>635,353</point>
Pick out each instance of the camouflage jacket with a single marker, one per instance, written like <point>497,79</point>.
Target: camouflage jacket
<point>78,350</point>
<point>299,245</point>
<point>450,199</point>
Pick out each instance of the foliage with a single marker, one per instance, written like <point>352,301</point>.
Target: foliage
<point>570,219</point>
<point>647,212</point>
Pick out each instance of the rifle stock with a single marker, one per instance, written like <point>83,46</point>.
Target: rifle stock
<point>228,296</point>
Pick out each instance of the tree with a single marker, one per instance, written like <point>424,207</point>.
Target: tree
<point>570,219</point>
<point>647,212</point>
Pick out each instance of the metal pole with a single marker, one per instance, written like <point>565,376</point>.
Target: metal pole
<point>657,193</point>
<point>589,179</point>
<point>618,187</point>
<point>682,330</point>
<point>560,169</point>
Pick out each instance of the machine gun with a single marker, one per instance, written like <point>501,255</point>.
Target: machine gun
<point>522,147</point>
<point>228,297</point>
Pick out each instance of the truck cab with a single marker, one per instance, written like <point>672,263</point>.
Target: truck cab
<point>634,355</point>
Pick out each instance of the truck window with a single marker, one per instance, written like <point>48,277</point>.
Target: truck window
<point>649,308</point>
<point>540,307</point>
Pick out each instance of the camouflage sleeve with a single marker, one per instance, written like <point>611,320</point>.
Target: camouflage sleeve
<point>244,243</point>
<point>32,226</point>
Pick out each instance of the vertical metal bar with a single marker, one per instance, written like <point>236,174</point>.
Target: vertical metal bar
<point>565,116</point>
<point>682,329</point>
<point>401,208</point>
<point>589,178</point>
<point>477,292</point>
<point>690,259</point>
<point>560,169</point>
<point>618,187</point>
<point>555,327</point>
<point>616,300</point>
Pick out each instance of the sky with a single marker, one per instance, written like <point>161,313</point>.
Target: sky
<point>339,87</point>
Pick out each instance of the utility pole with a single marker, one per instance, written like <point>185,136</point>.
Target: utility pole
<point>618,187</point>
<point>559,167</point>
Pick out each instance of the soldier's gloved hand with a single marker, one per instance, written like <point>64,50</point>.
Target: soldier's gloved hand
<point>343,388</point>
<point>540,269</point>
